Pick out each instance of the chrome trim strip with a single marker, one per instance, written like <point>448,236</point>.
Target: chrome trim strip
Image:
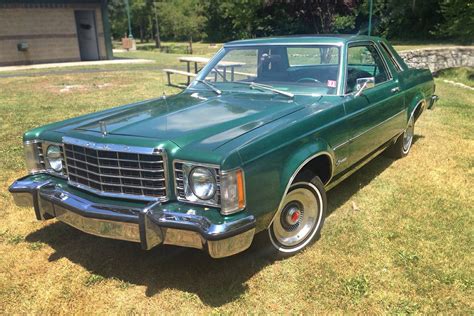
<point>423,105</point>
<point>293,176</point>
<point>339,44</point>
<point>112,147</point>
<point>360,165</point>
<point>366,131</point>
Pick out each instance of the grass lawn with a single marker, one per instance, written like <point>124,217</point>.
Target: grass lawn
<point>399,237</point>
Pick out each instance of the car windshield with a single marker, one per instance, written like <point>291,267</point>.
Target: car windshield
<point>286,70</point>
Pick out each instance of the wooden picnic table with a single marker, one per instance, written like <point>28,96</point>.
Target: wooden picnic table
<point>203,60</point>
<point>196,60</point>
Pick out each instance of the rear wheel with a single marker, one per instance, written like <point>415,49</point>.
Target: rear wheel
<point>402,146</point>
<point>300,219</point>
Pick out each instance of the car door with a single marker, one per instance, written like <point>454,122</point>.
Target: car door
<point>374,116</point>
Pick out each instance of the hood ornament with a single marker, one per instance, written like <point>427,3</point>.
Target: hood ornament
<point>103,128</point>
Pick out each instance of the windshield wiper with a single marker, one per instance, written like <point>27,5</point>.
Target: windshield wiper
<point>210,86</point>
<point>254,85</point>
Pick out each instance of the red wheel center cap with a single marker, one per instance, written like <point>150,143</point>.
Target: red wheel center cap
<point>295,216</point>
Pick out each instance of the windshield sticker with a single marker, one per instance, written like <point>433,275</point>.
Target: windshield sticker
<point>332,83</point>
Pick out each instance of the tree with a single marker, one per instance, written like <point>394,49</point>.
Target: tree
<point>183,19</point>
<point>458,21</point>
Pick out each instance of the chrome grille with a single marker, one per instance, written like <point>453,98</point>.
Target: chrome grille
<point>39,149</point>
<point>116,173</point>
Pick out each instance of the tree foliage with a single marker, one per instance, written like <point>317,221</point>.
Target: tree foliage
<point>458,20</point>
<point>223,20</point>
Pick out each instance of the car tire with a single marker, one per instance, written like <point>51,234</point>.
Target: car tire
<point>402,145</point>
<point>299,221</point>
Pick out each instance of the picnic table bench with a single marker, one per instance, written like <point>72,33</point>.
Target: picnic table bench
<point>178,72</point>
<point>224,65</point>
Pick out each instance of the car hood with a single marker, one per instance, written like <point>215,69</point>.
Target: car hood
<point>190,118</point>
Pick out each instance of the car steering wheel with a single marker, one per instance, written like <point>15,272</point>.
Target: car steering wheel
<point>309,79</point>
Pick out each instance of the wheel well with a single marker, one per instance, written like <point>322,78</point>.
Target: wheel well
<point>418,110</point>
<point>320,166</point>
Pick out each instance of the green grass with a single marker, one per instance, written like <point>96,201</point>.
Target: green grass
<point>398,238</point>
<point>464,75</point>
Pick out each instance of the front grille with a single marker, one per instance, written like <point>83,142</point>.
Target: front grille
<point>39,149</point>
<point>116,173</point>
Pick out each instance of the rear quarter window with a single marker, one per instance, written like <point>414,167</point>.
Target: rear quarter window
<point>390,56</point>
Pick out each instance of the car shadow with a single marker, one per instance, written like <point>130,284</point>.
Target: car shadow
<point>215,282</point>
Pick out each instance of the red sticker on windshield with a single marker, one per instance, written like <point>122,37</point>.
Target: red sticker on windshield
<point>332,83</point>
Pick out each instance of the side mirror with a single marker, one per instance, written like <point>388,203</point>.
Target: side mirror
<point>364,83</point>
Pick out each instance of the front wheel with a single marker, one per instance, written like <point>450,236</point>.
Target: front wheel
<point>300,219</point>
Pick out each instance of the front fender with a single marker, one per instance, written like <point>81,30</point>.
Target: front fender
<point>295,163</point>
<point>298,160</point>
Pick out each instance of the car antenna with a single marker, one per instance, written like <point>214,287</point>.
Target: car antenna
<point>163,97</point>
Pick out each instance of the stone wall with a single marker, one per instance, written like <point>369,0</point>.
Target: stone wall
<point>439,58</point>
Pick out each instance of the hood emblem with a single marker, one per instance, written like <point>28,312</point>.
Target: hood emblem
<point>103,128</point>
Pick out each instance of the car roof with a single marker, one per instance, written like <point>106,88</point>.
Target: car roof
<point>334,39</point>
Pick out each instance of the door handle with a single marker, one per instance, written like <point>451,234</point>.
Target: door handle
<point>395,90</point>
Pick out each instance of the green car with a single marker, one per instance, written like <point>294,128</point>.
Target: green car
<point>251,145</point>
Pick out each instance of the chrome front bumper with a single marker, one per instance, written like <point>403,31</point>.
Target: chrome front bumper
<point>150,225</point>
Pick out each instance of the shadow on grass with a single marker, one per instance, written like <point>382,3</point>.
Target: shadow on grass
<point>215,282</point>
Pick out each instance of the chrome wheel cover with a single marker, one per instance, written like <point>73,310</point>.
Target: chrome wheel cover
<point>408,135</point>
<point>298,221</point>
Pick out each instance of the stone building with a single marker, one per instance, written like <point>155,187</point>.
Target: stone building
<point>44,31</point>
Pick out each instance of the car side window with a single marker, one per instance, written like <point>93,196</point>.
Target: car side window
<point>364,61</point>
<point>395,63</point>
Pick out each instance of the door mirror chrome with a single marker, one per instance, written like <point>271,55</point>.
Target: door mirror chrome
<point>364,83</point>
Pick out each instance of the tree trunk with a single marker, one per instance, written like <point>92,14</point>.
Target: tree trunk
<point>141,33</point>
<point>157,34</point>
<point>191,45</point>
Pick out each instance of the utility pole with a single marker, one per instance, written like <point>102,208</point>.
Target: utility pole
<point>157,38</point>
<point>130,35</point>
<point>371,2</point>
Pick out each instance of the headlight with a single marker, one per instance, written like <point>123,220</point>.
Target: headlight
<point>53,155</point>
<point>206,184</point>
<point>203,183</point>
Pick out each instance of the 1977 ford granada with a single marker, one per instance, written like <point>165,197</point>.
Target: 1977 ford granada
<point>251,145</point>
